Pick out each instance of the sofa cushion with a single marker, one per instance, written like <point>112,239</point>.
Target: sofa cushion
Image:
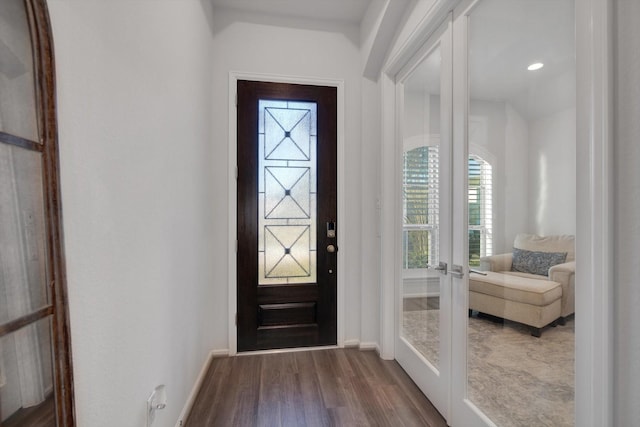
<point>536,262</point>
<point>527,275</point>
<point>558,243</point>
<point>515,288</point>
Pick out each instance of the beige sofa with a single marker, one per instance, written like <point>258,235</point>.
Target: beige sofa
<point>534,299</point>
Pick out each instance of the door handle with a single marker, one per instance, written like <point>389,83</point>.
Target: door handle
<point>332,248</point>
<point>482,273</point>
<point>457,271</point>
<point>441,267</point>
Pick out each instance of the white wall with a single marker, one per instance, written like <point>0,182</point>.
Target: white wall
<point>370,220</point>
<point>516,172</point>
<point>421,119</point>
<point>498,134</point>
<point>626,40</point>
<point>134,106</point>
<point>265,45</point>
<point>552,174</point>
<point>534,172</point>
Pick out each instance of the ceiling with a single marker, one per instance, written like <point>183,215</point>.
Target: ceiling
<point>504,38</point>
<point>341,11</point>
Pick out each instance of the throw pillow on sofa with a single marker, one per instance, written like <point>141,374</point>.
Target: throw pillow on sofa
<point>534,262</point>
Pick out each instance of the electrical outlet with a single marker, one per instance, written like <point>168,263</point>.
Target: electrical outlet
<point>155,402</point>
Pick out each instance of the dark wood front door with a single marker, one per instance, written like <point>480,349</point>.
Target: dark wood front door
<point>287,244</point>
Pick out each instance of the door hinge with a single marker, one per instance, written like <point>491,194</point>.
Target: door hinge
<point>236,173</point>
<point>236,319</point>
<point>236,99</point>
<point>236,246</point>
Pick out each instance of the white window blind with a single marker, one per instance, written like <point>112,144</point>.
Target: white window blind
<point>480,197</point>
<point>420,198</point>
<point>420,207</point>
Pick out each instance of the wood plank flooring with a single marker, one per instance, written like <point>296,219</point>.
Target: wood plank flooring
<point>42,415</point>
<point>337,387</point>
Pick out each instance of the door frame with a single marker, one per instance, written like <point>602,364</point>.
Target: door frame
<point>425,374</point>
<point>594,298</point>
<point>234,76</point>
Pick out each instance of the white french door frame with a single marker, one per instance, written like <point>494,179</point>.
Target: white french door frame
<point>433,381</point>
<point>594,245</point>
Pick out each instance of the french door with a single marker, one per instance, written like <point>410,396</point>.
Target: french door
<point>423,337</point>
<point>287,210</point>
<point>485,115</point>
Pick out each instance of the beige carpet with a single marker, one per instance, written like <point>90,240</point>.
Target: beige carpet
<point>514,378</point>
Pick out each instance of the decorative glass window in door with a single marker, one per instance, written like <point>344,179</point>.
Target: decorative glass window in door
<point>287,190</point>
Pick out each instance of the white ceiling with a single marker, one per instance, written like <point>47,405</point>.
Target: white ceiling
<point>504,38</point>
<point>507,36</point>
<point>341,11</point>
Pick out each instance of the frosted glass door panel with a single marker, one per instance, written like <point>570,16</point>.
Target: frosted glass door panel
<point>17,95</point>
<point>287,192</point>
<point>23,276</point>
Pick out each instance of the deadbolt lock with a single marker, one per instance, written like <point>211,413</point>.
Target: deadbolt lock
<point>331,229</point>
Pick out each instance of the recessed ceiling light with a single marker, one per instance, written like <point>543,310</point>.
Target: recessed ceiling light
<point>535,66</point>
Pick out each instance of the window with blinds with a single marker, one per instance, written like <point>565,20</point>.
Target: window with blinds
<point>420,207</point>
<point>480,209</point>
<point>420,188</point>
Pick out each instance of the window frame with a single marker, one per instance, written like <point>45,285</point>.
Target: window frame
<point>432,224</point>
<point>485,194</point>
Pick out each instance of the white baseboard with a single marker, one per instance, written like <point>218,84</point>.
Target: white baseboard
<point>351,343</point>
<point>219,353</point>
<point>196,387</point>
<point>362,346</point>
<point>368,346</point>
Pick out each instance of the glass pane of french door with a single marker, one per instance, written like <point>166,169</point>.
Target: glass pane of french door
<point>420,209</point>
<point>424,299</point>
<point>520,193</point>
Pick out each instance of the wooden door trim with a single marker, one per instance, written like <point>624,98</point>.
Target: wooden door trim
<point>232,201</point>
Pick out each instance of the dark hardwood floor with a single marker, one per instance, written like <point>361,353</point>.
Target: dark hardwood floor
<point>337,387</point>
<point>42,415</point>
